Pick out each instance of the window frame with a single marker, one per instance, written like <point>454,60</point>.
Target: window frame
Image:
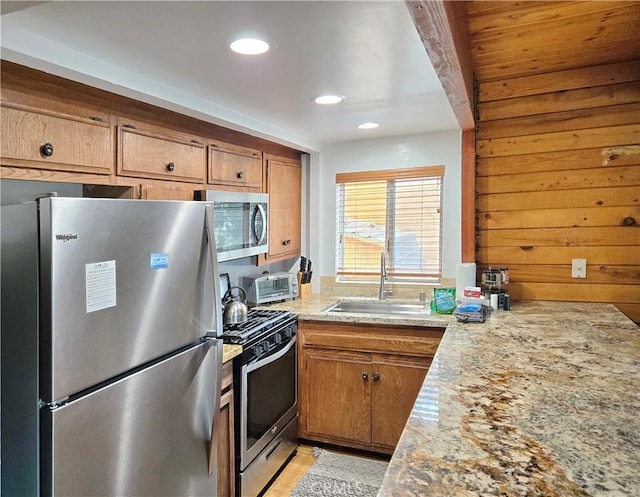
<point>390,175</point>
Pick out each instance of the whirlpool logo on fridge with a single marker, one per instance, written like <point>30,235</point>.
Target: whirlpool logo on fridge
<point>65,237</point>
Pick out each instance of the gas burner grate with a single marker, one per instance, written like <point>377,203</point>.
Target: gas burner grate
<point>258,321</point>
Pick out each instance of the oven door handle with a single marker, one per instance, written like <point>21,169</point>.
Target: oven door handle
<point>268,360</point>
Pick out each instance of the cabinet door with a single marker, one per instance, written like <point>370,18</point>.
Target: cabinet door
<point>284,185</point>
<point>226,452</point>
<point>395,386</point>
<point>226,436</point>
<point>54,141</point>
<point>145,155</point>
<point>234,165</point>
<point>337,396</point>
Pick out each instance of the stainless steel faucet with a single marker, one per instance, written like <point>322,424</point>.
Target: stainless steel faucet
<point>382,292</point>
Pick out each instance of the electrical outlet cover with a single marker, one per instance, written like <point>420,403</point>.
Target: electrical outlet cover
<point>579,268</point>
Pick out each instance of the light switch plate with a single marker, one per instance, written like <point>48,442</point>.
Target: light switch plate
<point>579,268</point>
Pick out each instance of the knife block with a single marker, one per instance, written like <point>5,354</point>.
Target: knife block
<point>304,289</point>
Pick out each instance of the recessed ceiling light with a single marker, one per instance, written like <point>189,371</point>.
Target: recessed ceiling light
<point>328,99</point>
<point>368,125</point>
<point>249,46</point>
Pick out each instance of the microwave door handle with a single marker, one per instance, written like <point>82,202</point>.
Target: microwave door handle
<point>271,358</point>
<point>263,232</point>
<point>213,256</point>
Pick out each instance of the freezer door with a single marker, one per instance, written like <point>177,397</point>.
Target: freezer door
<point>123,282</point>
<point>146,435</point>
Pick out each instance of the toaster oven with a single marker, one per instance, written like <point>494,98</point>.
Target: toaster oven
<point>268,288</point>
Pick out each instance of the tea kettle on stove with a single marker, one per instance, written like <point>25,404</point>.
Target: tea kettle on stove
<point>235,307</point>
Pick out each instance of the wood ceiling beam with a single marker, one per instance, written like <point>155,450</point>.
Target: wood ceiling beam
<point>443,29</point>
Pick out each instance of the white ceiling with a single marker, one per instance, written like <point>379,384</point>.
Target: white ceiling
<point>175,54</point>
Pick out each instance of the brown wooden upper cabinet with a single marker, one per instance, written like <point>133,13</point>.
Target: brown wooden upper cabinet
<point>43,139</point>
<point>148,153</point>
<point>235,166</point>
<point>284,186</point>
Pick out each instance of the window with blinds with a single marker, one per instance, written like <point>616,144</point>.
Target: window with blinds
<point>398,211</point>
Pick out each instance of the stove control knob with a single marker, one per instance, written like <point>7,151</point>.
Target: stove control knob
<point>278,339</point>
<point>258,350</point>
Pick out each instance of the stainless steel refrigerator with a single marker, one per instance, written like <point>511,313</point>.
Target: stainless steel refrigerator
<point>111,356</point>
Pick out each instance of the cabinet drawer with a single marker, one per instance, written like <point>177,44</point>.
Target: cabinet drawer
<point>146,155</point>
<point>403,340</point>
<point>54,141</point>
<point>235,165</point>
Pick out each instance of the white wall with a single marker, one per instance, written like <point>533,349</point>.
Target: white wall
<point>386,153</point>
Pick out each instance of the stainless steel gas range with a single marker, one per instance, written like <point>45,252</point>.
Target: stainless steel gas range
<point>266,384</point>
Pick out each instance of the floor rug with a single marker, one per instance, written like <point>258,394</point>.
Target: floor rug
<point>341,475</point>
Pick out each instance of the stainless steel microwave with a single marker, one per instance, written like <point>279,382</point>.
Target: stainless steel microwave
<point>240,222</point>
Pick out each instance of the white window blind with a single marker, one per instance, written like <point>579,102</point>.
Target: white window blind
<point>398,211</point>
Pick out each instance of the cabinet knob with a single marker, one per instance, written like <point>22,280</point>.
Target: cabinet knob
<point>365,376</point>
<point>375,376</point>
<point>240,175</point>
<point>286,242</point>
<point>46,150</point>
<point>170,167</point>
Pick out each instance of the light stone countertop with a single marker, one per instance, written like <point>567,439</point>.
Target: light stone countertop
<point>542,400</point>
<point>229,351</point>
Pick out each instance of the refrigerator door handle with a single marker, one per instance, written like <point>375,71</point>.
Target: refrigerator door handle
<point>215,427</point>
<point>213,255</point>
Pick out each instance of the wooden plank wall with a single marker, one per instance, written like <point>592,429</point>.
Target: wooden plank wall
<point>557,178</point>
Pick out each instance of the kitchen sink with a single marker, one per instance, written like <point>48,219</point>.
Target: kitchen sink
<point>378,307</point>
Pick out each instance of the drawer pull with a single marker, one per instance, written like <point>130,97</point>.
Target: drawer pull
<point>240,175</point>
<point>46,150</point>
<point>170,167</point>
<point>96,118</point>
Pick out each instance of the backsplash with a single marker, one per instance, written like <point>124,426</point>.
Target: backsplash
<point>246,266</point>
<point>330,287</point>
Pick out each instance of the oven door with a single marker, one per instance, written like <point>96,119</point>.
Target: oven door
<point>269,399</point>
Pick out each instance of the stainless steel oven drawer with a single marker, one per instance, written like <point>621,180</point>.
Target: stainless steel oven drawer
<point>266,465</point>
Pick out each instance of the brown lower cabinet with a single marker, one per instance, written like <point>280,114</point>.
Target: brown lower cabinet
<point>226,451</point>
<point>358,383</point>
